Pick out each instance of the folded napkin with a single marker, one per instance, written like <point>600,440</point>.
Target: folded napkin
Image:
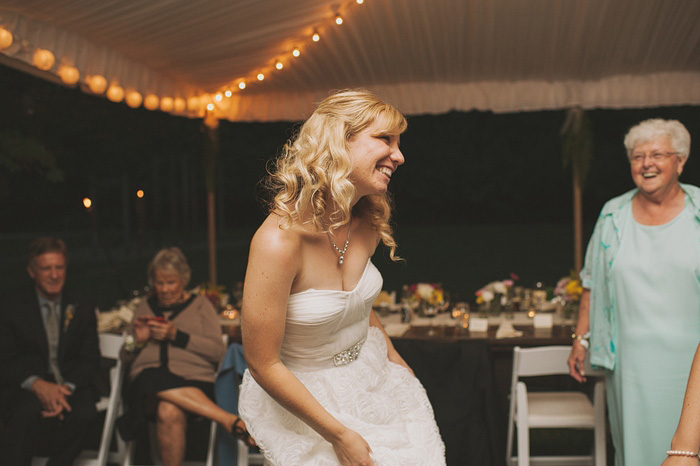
<point>506,330</point>
<point>396,329</point>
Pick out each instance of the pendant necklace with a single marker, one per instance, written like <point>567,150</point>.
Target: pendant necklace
<point>341,259</point>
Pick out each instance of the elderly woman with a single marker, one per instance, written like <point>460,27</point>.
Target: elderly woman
<point>174,347</point>
<point>326,386</point>
<point>641,299</point>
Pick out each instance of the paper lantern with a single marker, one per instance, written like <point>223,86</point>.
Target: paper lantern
<point>151,102</point>
<point>43,59</point>
<point>179,104</point>
<point>69,74</point>
<point>115,93</point>
<point>166,104</point>
<point>193,104</point>
<point>134,99</point>
<point>97,83</point>
<point>5,38</point>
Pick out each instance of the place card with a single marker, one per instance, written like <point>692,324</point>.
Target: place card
<point>542,321</point>
<point>478,324</point>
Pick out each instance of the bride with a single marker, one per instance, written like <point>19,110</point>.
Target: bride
<point>325,385</point>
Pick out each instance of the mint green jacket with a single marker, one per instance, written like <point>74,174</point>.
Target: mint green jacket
<point>595,275</point>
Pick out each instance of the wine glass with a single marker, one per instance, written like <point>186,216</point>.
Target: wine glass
<point>430,311</point>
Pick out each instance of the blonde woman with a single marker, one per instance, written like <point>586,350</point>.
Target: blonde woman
<point>325,385</point>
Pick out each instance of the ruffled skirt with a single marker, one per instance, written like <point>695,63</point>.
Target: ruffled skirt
<point>380,400</point>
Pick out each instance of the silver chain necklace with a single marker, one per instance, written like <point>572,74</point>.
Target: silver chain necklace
<point>341,259</point>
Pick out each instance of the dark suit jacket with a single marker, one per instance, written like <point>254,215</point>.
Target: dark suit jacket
<point>24,347</point>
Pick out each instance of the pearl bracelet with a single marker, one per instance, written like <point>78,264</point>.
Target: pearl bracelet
<point>682,453</point>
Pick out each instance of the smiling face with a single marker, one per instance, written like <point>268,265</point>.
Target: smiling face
<point>48,271</point>
<point>655,177</point>
<point>375,155</point>
<point>168,285</point>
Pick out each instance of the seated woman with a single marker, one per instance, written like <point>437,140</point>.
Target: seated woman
<point>173,348</point>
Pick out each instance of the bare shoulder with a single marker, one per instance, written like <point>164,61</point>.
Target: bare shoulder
<point>272,242</point>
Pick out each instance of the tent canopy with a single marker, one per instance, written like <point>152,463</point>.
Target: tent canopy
<point>424,56</point>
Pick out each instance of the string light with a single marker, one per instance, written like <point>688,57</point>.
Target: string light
<point>115,93</point>
<point>151,102</point>
<point>87,202</point>
<point>5,38</point>
<point>316,37</point>
<point>193,104</point>
<point>228,93</point>
<point>360,2</point>
<point>97,83</point>
<point>296,52</point>
<point>210,107</point>
<point>140,193</point>
<point>338,19</point>
<point>279,65</point>
<point>260,76</point>
<point>219,97</point>
<point>134,99</point>
<point>166,104</point>
<point>179,104</point>
<point>69,74</point>
<point>43,59</point>
<point>241,85</point>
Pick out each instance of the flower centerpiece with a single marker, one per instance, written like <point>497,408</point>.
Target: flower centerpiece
<point>494,295</point>
<point>568,294</point>
<point>422,295</point>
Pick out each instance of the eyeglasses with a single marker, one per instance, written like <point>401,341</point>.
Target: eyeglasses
<point>638,158</point>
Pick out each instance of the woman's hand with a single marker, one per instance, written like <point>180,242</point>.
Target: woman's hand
<point>162,330</point>
<point>352,450</point>
<point>142,332</point>
<point>576,361</point>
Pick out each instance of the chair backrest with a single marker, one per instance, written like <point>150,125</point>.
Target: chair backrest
<point>543,360</point>
<point>110,344</point>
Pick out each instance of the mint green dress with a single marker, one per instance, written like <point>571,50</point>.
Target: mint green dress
<point>657,293</point>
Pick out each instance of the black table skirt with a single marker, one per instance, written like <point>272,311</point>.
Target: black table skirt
<point>460,385</point>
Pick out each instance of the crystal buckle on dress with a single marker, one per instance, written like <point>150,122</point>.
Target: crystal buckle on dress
<point>347,356</point>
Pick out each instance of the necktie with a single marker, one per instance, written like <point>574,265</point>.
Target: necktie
<point>52,337</point>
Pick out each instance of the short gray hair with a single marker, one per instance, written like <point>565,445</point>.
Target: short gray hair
<point>171,260</point>
<point>648,130</point>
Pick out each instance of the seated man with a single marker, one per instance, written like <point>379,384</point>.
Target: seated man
<point>49,356</point>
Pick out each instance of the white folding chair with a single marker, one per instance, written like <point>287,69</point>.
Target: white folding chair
<point>110,345</point>
<point>571,410</point>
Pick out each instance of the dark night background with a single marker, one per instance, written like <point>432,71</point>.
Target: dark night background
<point>481,194</point>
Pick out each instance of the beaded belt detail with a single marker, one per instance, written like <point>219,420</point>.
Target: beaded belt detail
<point>349,355</point>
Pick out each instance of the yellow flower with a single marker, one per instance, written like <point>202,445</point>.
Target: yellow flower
<point>69,314</point>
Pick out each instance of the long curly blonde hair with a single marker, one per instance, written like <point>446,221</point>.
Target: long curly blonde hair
<point>314,166</point>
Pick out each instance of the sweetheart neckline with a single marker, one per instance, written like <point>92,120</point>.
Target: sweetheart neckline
<point>357,285</point>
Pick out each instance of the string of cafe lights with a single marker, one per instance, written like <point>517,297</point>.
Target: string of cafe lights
<point>45,60</point>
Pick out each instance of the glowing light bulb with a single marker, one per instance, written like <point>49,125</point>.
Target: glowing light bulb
<point>97,84</point>
<point>139,193</point>
<point>151,102</point>
<point>43,59</point>
<point>134,99</point>
<point>261,76</point>
<point>296,52</point>
<point>193,104</point>
<point>115,93</point>
<point>219,97</point>
<point>210,107</point>
<point>87,202</point>
<point>180,105</point>
<point>5,38</point>
<point>228,93</point>
<point>279,65</point>
<point>69,74</point>
<point>167,104</point>
<point>316,37</point>
<point>338,19</point>
<point>360,2</point>
<point>241,85</point>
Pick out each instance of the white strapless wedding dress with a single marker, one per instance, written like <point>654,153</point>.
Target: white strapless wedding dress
<point>378,399</point>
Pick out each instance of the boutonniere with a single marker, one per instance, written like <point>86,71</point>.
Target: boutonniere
<point>68,316</point>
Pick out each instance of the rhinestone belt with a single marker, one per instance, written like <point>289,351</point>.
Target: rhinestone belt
<point>347,356</point>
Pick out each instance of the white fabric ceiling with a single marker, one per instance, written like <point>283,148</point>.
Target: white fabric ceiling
<point>424,56</point>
